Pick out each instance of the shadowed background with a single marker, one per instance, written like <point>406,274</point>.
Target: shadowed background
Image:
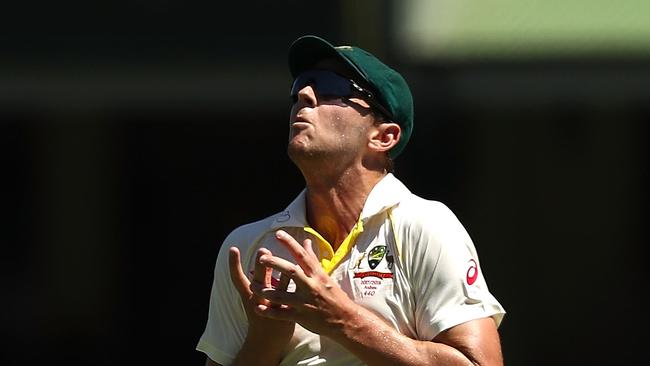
<point>134,137</point>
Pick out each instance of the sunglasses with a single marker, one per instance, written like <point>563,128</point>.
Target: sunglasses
<point>330,84</point>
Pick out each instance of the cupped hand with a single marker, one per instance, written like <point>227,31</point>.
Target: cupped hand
<point>318,303</point>
<point>276,330</point>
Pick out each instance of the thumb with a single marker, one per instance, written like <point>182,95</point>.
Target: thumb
<point>237,276</point>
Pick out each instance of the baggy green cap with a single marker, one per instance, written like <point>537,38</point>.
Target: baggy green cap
<point>389,87</point>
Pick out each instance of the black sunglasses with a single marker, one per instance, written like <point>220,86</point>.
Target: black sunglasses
<point>330,84</point>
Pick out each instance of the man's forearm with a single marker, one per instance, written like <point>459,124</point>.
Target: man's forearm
<point>261,349</point>
<point>377,344</point>
<point>321,306</point>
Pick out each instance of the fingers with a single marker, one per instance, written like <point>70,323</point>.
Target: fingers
<point>262,274</point>
<point>309,249</point>
<point>277,313</point>
<point>287,269</point>
<point>284,282</point>
<point>237,276</point>
<point>282,286</point>
<point>305,256</point>
<point>279,299</point>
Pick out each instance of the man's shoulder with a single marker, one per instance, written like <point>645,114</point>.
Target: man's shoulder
<point>417,208</point>
<point>409,204</point>
<point>417,217</point>
<point>253,229</point>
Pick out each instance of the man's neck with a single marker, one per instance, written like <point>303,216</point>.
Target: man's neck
<point>334,204</point>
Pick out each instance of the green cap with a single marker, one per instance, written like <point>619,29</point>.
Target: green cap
<point>389,87</point>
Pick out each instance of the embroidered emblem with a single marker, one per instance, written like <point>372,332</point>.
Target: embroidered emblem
<point>376,255</point>
<point>372,275</point>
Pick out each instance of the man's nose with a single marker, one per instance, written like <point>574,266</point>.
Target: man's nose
<point>307,96</point>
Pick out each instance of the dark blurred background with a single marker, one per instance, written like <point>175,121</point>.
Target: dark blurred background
<point>134,136</point>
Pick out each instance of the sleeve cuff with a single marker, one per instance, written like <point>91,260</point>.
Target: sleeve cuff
<point>215,354</point>
<point>495,312</point>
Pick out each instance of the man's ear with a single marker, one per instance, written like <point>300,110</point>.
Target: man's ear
<point>384,136</point>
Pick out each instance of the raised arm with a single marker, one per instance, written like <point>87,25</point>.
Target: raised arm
<point>266,338</point>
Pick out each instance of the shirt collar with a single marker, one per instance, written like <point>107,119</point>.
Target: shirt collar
<point>387,193</point>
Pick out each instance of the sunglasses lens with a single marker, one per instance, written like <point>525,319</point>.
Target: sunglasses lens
<point>326,83</point>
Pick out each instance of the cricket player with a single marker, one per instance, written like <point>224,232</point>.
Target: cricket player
<point>357,269</point>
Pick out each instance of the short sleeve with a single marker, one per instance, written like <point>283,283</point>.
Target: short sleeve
<point>227,323</point>
<point>447,280</point>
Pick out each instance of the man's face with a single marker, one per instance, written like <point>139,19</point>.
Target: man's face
<point>328,128</point>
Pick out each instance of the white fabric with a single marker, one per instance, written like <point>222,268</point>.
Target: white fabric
<point>433,284</point>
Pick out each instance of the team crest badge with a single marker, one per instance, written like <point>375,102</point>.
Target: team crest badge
<point>376,255</point>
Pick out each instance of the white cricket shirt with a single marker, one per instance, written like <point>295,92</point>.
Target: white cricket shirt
<point>409,260</point>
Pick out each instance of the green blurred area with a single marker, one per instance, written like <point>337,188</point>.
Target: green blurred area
<point>524,28</point>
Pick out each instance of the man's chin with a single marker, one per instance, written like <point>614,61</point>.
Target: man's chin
<point>298,144</point>
<point>296,150</point>
<point>300,152</point>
